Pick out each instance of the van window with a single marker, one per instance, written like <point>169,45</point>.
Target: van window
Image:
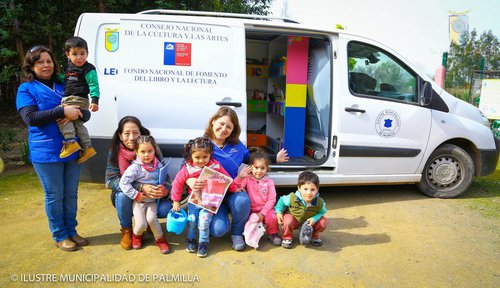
<point>374,72</point>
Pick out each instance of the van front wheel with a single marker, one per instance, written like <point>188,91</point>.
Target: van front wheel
<point>448,173</point>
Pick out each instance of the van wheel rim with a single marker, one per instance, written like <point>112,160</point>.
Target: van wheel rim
<point>444,172</point>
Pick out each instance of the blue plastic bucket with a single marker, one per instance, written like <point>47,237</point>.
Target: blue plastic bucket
<point>176,221</point>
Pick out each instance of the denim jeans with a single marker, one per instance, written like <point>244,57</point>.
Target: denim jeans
<point>200,220</point>
<point>60,185</point>
<point>238,204</point>
<point>124,208</point>
<point>164,206</point>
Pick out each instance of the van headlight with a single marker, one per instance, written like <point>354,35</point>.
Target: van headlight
<point>486,122</point>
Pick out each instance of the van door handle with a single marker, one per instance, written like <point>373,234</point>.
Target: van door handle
<point>350,109</point>
<point>222,103</point>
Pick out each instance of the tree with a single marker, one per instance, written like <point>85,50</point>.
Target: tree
<point>466,56</point>
<point>25,23</point>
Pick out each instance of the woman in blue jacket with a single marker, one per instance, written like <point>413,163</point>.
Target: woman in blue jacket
<point>224,131</point>
<point>38,102</point>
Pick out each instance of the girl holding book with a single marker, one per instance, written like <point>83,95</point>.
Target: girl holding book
<point>197,154</point>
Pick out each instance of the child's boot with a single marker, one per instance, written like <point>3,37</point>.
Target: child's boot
<point>136,241</point>
<point>126,241</point>
<point>86,154</point>
<point>69,147</point>
<point>162,243</point>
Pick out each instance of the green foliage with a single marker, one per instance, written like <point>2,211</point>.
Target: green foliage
<point>7,137</point>
<point>25,23</point>
<point>465,57</point>
<point>495,127</point>
<point>257,7</point>
<point>352,63</point>
<point>484,195</point>
<point>460,93</point>
<point>25,152</point>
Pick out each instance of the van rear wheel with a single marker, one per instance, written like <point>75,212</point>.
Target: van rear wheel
<point>448,173</point>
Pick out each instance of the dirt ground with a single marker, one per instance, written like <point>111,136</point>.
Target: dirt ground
<point>387,236</point>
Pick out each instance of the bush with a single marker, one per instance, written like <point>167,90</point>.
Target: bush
<point>7,137</point>
<point>460,93</point>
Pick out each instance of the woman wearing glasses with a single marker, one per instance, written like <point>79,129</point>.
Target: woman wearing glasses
<point>38,102</point>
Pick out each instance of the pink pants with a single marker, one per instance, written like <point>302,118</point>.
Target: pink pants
<point>290,223</point>
<point>145,213</point>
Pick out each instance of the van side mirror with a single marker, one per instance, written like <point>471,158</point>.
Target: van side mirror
<point>425,97</point>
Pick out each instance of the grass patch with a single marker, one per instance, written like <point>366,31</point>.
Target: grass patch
<point>484,195</point>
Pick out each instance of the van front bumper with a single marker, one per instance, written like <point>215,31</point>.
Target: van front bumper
<point>489,159</point>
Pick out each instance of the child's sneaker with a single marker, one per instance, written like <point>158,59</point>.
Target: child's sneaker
<point>286,243</point>
<point>202,249</point>
<point>86,154</point>
<point>191,245</point>
<point>136,241</point>
<point>275,239</point>
<point>316,242</point>
<point>162,243</point>
<point>69,147</point>
<point>305,233</point>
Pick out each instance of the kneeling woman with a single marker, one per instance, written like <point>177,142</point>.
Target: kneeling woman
<point>120,157</point>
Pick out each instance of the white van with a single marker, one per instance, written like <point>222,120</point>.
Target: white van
<point>345,106</point>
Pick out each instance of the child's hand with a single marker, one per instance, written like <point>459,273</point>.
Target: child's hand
<point>311,221</point>
<point>140,198</point>
<point>176,207</point>
<point>196,196</point>
<point>282,156</point>
<point>163,190</point>
<point>279,216</point>
<point>261,217</point>
<point>199,185</point>
<point>245,172</point>
<point>194,184</point>
<point>94,107</point>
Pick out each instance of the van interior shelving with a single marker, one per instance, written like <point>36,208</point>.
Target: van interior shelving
<point>298,119</point>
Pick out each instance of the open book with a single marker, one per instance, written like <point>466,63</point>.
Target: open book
<point>213,193</point>
<point>164,170</point>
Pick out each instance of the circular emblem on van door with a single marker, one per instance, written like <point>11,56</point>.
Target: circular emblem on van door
<point>387,123</point>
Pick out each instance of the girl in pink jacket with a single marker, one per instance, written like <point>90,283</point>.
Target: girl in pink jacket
<point>197,154</point>
<point>261,191</point>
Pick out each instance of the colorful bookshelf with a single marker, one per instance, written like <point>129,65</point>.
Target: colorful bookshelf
<point>296,93</point>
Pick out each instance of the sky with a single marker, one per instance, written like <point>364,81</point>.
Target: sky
<point>418,30</point>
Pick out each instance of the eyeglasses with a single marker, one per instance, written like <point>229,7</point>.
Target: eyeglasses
<point>37,47</point>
